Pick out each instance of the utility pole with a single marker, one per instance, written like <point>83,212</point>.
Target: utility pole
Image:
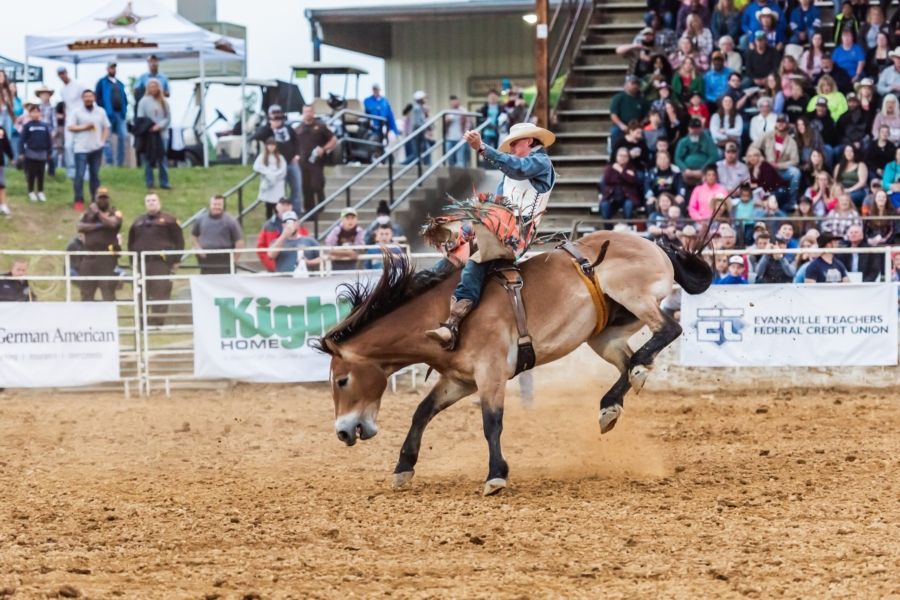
<point>542,102</point>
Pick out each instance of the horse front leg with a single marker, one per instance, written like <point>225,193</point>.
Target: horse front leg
<point>665,331</point>
<point>492,396</point>
<point>444,394</point>
<point>612,345</point>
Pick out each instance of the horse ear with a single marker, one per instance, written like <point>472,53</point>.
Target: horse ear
<point>331,347</point>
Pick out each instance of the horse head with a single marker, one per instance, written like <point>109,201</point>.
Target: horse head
<point>356,387</point>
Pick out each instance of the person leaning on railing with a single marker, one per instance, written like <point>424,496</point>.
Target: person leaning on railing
<point>16,290</point>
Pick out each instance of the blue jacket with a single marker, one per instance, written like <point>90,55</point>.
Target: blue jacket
<point>536,167</point>
<point>104,96</point>
<point>750,24</point>
<point>805,20</point>
<point>715,84</point>
<point>380,107</point>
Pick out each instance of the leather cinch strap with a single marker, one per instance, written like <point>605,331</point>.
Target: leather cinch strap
<point>511,279</point>
<point>588,275</point>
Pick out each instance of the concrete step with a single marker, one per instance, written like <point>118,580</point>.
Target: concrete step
<point>582,135</point>
<point>583,114</point>
<point>607,58</point>
<point>604,28</point>
<point>608,68</point>
<point>579,125</point>
<point>607,78</point>
<point>592,90</point>
<point>611,37</point>
<point>582,148</point>
<point>594,158</point>
<point>583,103</point>
<point>623,14</point>
<point>568,171</point>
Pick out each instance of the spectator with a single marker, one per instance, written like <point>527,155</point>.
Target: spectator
<point>869,266</point>
<point>516,109</point>
<point>659,210</point>
<point>36,146</point>
<point>780,150</point>
<point>455,125</point>
<point>878,58</point>
<point>346,233</point>
<point>634,144</point>
<point>697,108</point>
<point>7,107</point>
<point>880,227</point>
<point>868,33</point>
<point>384,238</point>
<point>155,231</point>
<point>761,60</point>
<point>18,117</point>
<point>852,174</point>
<point>620,187</point>
<point>110,93</point>
<point>751,23</point>
<point>844,20</point>
<point>664,179</point>
<point>383,219</point>
<point>849,56</point>
<point>805,22</point>
<point>842,83</point>
<point>314,141</point>
<point>733,58</point>
<point>731,171</point>
<point>216,230</point>
<point>744,213</point>
<point>699,35</point>
<point>48,116</point>
<point>819,194</point>
<point>704,195</point>
<point>775,268</point>
<point>687,81</point>
<point>770,213</point>
<point>286,140</point>
<point>13,285</point>
<point>686,10</point>
<point>761,241</point>
<point>272,168</point>
<point>812,57</point>
<point>661,24</point>
<point>764,122</point>
<point>695,152</point>
<point>90,128</point>
<point>807,242</point>
<point>59,137</point>
<point>284,249</point>
<point>154,108</point>
<point>640,51</point>
<point>890,116</point>
<point>726,126</point>
<point>834,99</point>
<point>880,152</point>
<point>72,95</point>
<point>271,230</point>
<point>654,130</point>
<point>726,22</point>
<point>734,275</point>
<point>100,226</point>
<point>770,25</point>
<point>5,153</point>
<point>889,79</point>
<point>802,222</point>
<point>793,101</point>
<point>140,86</point>
<point>626,106</point>
<point>764,178</point>
<point>841,217</point>
<point>379,106</point>
<point>854,125</point>
<point>891,180</point>
<point>821,121</point>
<point>490,111</point>
<point>824,269</point>
<point>812,150</point>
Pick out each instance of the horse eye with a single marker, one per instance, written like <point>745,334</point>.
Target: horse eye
<point>342,381</point>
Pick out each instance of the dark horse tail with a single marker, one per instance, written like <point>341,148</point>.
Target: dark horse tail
<point>692,273</point>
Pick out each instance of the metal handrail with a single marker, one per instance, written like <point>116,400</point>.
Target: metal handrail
<point>389,154</point>
<point>235,189</point>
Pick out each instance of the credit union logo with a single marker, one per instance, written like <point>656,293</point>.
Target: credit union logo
<point>719,325</point>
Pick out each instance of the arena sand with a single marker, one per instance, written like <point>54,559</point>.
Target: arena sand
<point>247,493</point>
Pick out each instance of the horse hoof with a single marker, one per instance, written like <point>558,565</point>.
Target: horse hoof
<point>609,417</point>
<point>402,479</point>
<point>492,486</point>
<point>638,377</point>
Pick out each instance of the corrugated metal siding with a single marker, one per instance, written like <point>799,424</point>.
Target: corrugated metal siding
<point>440,56</point>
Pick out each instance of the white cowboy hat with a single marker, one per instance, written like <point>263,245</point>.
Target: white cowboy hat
<point>520,131</point>
<point>766,12</point>
<point>43,90</point>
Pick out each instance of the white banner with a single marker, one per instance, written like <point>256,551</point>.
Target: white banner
<point>257,329</point>
<point>58,344</point>
<point>829,325</point>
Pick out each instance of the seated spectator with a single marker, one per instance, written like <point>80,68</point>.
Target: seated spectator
<point>384,238</point>
<point>852,174</point>
<point>272,169</point>
<point>770,213</point>
<point>890,116</point>
<point>889,79</point>
<point>284,250</point>
<point>697,108</point>
<point>786,232</point>
<point>700,36</point>
<point>811,59</point>
<point>764,178</point>
<point>653,131</point>
<point>868,99</point>
<point>695,152</point>
<point>663,91</point>
<point>659,210</point>
<point>663,178</point>
<point>844,20</point>
<point>272,230</point>
<point>820,120</point>
<point>853,126</point>
<point>675,122</point>
<point>730,170</point>
<point>793,100</point>
<point>733,59</point>
<point>734,274</point>
<point>633,142</point>
<point>780,150</point>
<point>16,290</point>
<point>875,24</point>
<point>719,263</point>
<point>880,152</point>
<point>626,106</point>
<point>346,233</point>
<point>217,230</point>
<point>869,266</point>
<point>700,207</point>
<point>687,81</point>
<point>803,258</point>
<point>805,21</point>
<point>761,241</point>
<point>725,238</point>
<point>880,228</point>
<point>620,188</point>
<point>687,237</point>
<point>775,268</point>
<point>803,216</point>
<point>878,57</point>
<point>891,181</point>
<point>761,60</point>
<point>834,99</point>
<point>715,82</point>
<point>638,52</point>
<point>811,148</point>
<point>849,56</point>
<point>688,8</point>
<point>726,125</point>
<point>824,269</point>
<point>841,217</point>
<point>764,122</point>
<point>744,215</point>
<point>383,218</point>
<point>661,24</point>
<point>768,24</point>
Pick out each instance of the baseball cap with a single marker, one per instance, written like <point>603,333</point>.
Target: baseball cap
<point>735,260</point>
<point>275,109</point>
<point>288,216</point>
<point>821,101</point>
<point>731,146</point>
<point>760,35</point>
<point>851,96</point>
<point>632,79</point>
<point>782,118</point>
<point>646,30</point>
<point>61,70</point>
<point>102,191</point>
<point>111,63</point>
<point>419,95</point>
<point>695,123</point>
<point>348,211</point>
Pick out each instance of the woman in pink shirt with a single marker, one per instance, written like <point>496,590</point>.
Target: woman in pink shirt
<point>700,208</point>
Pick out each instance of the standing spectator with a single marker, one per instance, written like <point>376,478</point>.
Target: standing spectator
<point>155,231</point>
<point>731,171</point>
<point>695,152</point>
<point>314,141</point>
<point>626,106</point>
<point>100,226</point>
<point>869,266</point>
<point>852,174</point>
<point>346,233</point>
<point>286,139</point>
<point>18,118</point>
<point>13,285</point>
<point>154,106</point>
<point>283,250</point>
<point>516,109</point>
<point>72,96</point>
<point>379,106</point>
<point>383,219</point>
<point>824,269</point>
<point>703,196</point>
<point>111,96</point>
<point>36,146</point>
<point>889,79</point>
<point>780,150</point>
<point>7,107</point>
<point>455,125</point>
<point>140,86</point>
<point>620,188</point>
<point>59,137</point>
<point>5,153</point>
<point>490,111</point>
<point>216,230</point>
<point>90,128</point>
<point>48,116</point>
<point>272,169</point>
<point>271,230</point>
<point>775,268</point>
<point>418,117</point>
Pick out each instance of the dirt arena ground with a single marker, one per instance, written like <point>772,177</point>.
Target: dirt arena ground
<point>248,494</point>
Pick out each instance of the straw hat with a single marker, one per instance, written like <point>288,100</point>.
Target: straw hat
<point>520,131</point>
<point>43,90</point>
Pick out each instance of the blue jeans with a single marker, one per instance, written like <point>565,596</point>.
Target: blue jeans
<point>14,142</point>
<point>460,158</point>
<point>163,172</point>
<point>116,128</point>
<point>470,281</point>
<point>91,162</point>
<point>295,181</point>
<point>608,209</point>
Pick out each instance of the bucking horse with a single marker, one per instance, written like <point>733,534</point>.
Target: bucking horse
<point>599,290</point>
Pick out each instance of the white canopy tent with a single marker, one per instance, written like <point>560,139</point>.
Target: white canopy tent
<point>132,30</point>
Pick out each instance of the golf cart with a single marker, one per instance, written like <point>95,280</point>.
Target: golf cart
<point>228,141</point>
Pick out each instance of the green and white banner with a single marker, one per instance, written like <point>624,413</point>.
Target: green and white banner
<point>257,329</point>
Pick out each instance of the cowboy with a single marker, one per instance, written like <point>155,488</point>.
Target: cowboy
<point>528,178</point>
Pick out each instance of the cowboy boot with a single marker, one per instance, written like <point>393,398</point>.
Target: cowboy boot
<point>448,333</point>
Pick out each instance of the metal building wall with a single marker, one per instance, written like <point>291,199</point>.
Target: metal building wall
<point>440,57</point>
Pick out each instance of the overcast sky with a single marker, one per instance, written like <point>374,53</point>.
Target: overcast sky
<point>277,36</point>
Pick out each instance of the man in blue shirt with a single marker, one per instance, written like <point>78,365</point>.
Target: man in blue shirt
<point>715,82</point>
<point>735,272</point>
<point>750,23</point>
<point>140,86</point>
<point>805,21</point>
<point>378,106</point>
<point>111,96</point>
<point>849,56</point>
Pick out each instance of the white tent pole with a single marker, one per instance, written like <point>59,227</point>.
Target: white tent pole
<point>243,112</point>
<point>203,111</point>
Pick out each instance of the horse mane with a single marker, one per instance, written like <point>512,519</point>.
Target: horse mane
<point>398,284</point>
